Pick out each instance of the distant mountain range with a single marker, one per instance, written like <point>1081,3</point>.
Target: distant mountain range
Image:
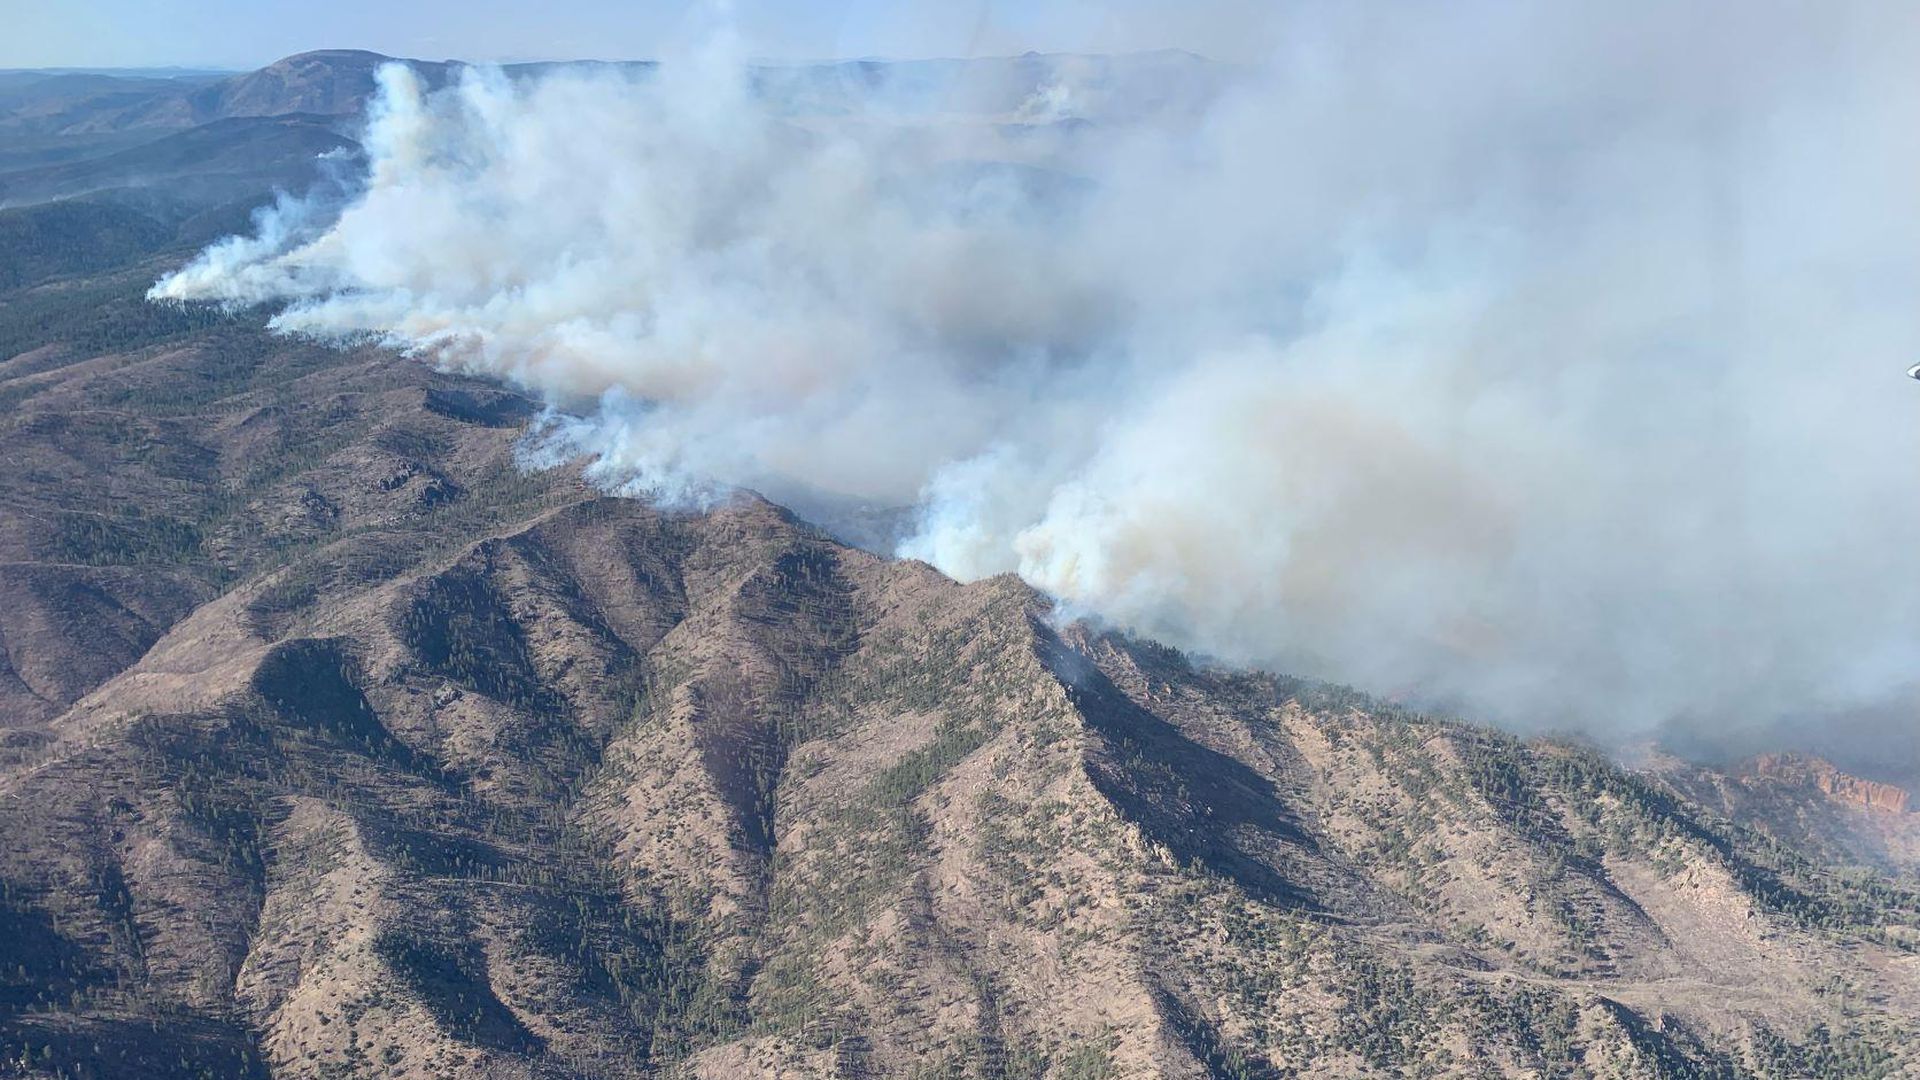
<point>338,82</point>
<point>334,83</point>
<point>181,145</point>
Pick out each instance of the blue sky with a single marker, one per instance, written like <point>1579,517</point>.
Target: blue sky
<point>249,33</point>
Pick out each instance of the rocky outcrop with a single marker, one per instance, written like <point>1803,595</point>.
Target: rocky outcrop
<point>1817,773</point>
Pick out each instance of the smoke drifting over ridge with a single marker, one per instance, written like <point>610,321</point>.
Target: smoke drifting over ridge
<point>1539,361</point>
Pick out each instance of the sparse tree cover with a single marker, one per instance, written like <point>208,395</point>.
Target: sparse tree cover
<point>333,744</point>
<point>523,775</point>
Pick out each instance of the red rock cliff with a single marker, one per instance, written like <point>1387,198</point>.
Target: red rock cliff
<point>1802,770</point>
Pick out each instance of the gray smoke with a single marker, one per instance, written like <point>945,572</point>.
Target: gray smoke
<point>1538,360</point>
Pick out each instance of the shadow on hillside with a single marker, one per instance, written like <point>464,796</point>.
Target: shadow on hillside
<point>1200,804</point>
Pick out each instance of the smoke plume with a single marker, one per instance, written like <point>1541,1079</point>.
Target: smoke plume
<point>1539,360</point>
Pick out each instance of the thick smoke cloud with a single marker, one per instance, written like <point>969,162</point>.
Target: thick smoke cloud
<point>1537,360</point>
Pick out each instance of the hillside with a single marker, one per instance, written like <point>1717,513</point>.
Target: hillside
<point>337,746</point>
<point>334,744</point>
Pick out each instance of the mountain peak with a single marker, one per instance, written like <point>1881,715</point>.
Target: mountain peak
<point>331,56</point>
<point>327,82</point>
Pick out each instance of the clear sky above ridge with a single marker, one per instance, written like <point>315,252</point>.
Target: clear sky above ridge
<point>250,33</point>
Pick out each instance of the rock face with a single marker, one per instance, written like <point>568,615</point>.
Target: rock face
<point>1807,771</point>
<point>368,755</point>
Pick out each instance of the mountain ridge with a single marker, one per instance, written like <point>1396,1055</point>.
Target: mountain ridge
<point>1824,776</point>
<point>464,770</point>
<point>333,742</point>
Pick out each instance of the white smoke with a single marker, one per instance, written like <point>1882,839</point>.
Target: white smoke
<point>1539,359</point>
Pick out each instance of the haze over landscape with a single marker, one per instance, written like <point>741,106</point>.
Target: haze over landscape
<point>691,562</point>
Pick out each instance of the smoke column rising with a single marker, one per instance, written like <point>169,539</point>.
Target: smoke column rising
<point>1537,360</point>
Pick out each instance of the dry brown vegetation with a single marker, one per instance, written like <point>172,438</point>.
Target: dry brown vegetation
<point>336,746</point>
